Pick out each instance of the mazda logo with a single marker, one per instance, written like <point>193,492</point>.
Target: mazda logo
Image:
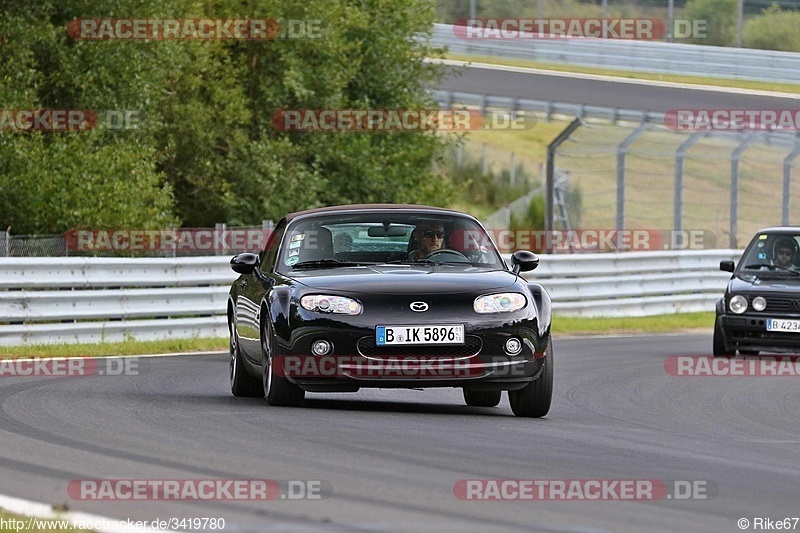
<point>419,307</point>
<point>796,305</point>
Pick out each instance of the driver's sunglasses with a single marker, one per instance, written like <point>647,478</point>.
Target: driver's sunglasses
<point>430,234</point>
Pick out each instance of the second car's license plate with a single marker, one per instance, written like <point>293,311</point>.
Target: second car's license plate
<point>431,334</point>
<point>791,326</point>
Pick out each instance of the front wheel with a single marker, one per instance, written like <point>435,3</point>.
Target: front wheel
<point>719,343</point>
<point>533,401</point>
<point>277,389</point>
<point>489,398</point>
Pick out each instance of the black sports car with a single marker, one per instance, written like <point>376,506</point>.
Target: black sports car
<point>390,296</point>
<point>761,307</point>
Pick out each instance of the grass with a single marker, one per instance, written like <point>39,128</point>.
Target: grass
<point>645,324</point>
<point>561,325</point>
<point>675,78</point>
<point>39,525</point>
<point>128,347</point>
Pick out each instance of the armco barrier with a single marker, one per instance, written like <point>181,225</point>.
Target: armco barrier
<point>642,56</point>
<point>58,300</point>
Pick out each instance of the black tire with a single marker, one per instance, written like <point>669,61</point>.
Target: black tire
<point>533,401</point>
<point>719,345</point>
<point>242,383</point>
<point>487,398</point>
<point>278,390</point>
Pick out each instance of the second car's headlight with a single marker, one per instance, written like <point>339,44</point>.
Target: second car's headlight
<point>738,304</point>
<point>324,303</point>
<point>499,303</point>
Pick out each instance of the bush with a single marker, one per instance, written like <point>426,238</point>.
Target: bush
<point>774,29</point>
<point>721,17</point>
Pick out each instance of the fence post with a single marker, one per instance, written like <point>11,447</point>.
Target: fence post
<point>4,246</point>
<point>550,181</point>
<point>680,154</point>
<point>484,161</point>
<point>513,172</point>
<point>787,182</point>
<point>735,156</point>
<point>622,149</point>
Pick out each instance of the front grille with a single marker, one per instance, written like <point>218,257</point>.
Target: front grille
<point>778,304</point>
<point>472,346</point>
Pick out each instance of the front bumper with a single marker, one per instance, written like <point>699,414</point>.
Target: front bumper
<point>749,332</point>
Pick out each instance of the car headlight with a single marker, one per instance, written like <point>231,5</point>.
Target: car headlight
<point>759,303</point>
<point>738,304</point>
<point>499,303</point>
<point>324,303</point>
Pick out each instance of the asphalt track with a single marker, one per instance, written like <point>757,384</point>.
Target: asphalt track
<point>393,457</point>
<point>577,89</point>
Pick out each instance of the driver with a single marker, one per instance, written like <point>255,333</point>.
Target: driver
<point>784,252</point>
<point>429,237</point>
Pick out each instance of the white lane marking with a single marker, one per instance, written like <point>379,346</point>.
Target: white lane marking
<point>616,79</point>
<point>43,511</point>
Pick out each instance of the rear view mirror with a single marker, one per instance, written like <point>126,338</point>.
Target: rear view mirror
<point>387,231</point>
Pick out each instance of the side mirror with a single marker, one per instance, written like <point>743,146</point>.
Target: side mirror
<point>727,266</point>
<point>245,263</point>
<point>524,261</point>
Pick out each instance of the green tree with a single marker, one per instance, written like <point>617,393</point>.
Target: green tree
<point>721,20</point>
<point>774,29</point>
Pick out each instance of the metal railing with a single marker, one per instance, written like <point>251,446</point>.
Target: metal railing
<point>68,300</point>
<point>642,56</point>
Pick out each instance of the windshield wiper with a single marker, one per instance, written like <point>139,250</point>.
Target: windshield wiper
<point>325,263</point>
<point>772,267</point>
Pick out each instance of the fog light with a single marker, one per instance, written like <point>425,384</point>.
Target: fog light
<point>759,303</point>
<point>321,347</point>
<point>513,346</point>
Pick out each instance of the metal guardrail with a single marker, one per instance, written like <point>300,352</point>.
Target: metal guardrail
<point>642,56</point>
<point>67,300</point>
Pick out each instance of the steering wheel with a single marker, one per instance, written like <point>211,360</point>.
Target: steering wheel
<point>448,251</point>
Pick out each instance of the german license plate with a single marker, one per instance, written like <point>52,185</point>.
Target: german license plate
<point>430,334</point>
<point>791,326</point>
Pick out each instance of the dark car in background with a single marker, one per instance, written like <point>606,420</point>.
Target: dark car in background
<point>349,297</point>
<point>761,307</point>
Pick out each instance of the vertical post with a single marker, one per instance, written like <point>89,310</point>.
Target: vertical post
<point>484,161</point>
<point>739,22</point>
<point>787,182</point>
<point>472,9</point>
<point>549,178</point>
<point>605,9</point>
<point>680,154</point>
<point>219,236</point>
<point>671,21</point>
<point>735,156</point>
<point>512,174</point>
<point>622,149</point>
<point>6,242</point>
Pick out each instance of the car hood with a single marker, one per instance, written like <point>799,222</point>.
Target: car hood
<point>786,284</point>
<point>405,279</point>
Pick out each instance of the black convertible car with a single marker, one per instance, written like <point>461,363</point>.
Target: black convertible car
<point>761,307</point>
<point>389,296</point>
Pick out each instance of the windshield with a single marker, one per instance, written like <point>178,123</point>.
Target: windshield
<point>772,253</point>
<point>386,237</point>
